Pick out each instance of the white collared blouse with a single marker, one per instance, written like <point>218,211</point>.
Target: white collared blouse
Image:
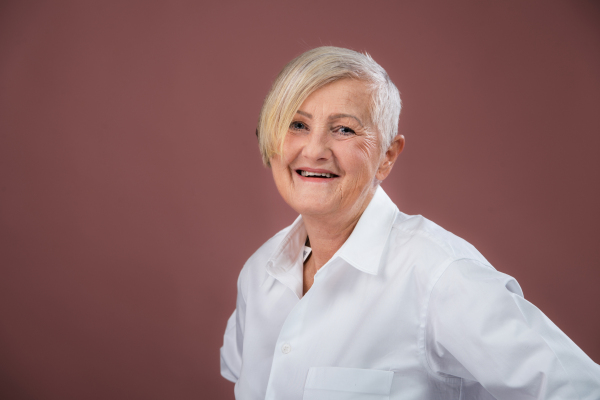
<point>404,310</point>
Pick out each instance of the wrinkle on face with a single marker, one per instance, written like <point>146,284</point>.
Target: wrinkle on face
<point>370,144</point>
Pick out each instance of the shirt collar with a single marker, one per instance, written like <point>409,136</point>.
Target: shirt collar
<point>362,250</point>
<point>364,247</point>
<point>285,264</point>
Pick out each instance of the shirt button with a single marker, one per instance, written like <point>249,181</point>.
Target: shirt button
<point>286,348</point>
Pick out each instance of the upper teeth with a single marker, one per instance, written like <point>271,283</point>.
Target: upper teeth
<point>307,173</point>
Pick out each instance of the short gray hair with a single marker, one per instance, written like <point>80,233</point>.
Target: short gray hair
<point>311,71</point>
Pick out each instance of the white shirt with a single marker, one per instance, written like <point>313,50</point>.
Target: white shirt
<point>404,310</point>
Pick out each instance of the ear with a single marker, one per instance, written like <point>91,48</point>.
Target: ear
<point>390,157</point>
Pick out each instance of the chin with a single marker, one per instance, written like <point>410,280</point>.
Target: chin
<point>315,207</point>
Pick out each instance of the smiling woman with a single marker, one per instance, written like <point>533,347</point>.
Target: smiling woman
<point>357,300</point>
<point>331,165</point>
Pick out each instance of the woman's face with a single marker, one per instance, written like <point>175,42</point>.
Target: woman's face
<point>331,155</point>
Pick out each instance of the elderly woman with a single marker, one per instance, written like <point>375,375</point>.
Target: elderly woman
<point>356,300</point>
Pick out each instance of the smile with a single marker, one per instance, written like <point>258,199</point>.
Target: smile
<point>309,174</point>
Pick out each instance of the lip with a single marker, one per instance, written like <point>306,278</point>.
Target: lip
<point>312,178</point>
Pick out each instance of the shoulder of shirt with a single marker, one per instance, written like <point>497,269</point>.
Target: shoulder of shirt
<point>424,235</point>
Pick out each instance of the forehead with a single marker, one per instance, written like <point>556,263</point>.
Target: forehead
<point>347,96</point>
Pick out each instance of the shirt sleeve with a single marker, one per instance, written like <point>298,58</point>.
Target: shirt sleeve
<point>233,340</point>
<point>480,328</point>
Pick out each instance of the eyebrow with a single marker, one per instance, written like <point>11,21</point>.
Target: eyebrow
<point>336,116</point>
<point>304,113</point>
<point>331,117</point>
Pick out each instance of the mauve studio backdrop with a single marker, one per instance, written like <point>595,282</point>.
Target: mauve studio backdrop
<point>132,190</point>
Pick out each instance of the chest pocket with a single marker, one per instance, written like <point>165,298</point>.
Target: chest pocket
<point>332,383</point>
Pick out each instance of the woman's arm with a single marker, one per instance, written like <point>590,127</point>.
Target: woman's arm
<point>480,328</point>
<point>233,340</point>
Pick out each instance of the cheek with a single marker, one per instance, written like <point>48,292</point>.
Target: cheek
<point>281,177</point>
<point>364,157</point>
<point>291,146</point>
<point>359,170</point>
<point>277,169</point>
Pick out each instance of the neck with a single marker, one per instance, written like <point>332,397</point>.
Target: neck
<point>327,234</point>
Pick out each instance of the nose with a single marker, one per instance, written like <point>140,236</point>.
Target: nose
<point>317,145</point>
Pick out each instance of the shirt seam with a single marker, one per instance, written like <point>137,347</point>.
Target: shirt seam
<point>426,315</point>
<point>441,245</point>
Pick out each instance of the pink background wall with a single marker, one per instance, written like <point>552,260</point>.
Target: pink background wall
<point>131,188</point>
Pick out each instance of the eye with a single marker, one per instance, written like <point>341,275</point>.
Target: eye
<point>298,126</point>
<point>344,130</point>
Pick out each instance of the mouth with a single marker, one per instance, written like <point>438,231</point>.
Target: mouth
<point>317,175</point>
